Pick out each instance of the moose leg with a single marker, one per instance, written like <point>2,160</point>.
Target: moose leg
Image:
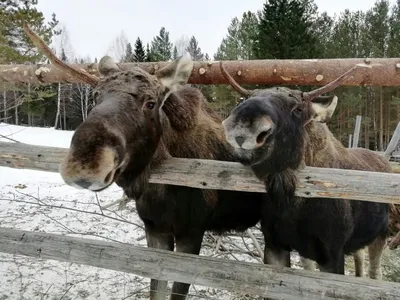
<point>359,262</point>
<point>158,288</point>
<point>276,256</point>
<point>375,252</point>
<point>307,264</point>
<point>334,265</point>
<point>186,244</point>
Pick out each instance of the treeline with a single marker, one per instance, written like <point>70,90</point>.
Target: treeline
<point>281,29</point>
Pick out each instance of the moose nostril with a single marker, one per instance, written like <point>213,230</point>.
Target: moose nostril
<point>83,183</point>
<point>109,177</point>
<point>240,140</point>
<point>261,137</point>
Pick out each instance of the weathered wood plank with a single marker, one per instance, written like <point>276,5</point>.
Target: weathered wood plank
<point>383,72</point>
<point>249,278</point>
<point>394,141</point>
<point>221,175</point>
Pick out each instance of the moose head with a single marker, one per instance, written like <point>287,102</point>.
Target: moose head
<point>123,131</point>
<point>269,126</point>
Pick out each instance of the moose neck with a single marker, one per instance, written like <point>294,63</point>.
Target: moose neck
<point>322,148</point>
<point>189,130</point>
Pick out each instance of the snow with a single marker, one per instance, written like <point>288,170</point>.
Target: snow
<point>40,201</point>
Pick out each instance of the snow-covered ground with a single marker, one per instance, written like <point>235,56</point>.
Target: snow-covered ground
<point>40,201</point>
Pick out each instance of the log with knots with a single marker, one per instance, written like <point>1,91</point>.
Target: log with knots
<point>376,72</point>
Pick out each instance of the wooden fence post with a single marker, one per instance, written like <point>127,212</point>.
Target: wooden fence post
<point>357,132</point>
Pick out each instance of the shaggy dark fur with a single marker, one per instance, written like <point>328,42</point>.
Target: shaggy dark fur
<point>323,230</point>
<point>128,119</point>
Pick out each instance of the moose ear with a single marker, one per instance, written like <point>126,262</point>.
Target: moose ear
<point>107,66</point>
<point>176,74</point>
<point>324,107</point>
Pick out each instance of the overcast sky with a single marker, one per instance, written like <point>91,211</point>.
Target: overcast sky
<point>93,24</point>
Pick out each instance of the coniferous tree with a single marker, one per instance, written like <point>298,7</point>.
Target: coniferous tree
<point>63,55</point>
<point>161,47</point>
<point>148,53</point>
<point>15,46</point>
<point>175,55</point>
<point>139,54</point>
<point>194,50</point>
<point>128,57</point>
<point>286,30</point>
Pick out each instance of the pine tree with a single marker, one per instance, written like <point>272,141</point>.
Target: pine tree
<point>248,35</point>
<point>286,30</point>
<point>128,57</point>
<point>394,32</point>
<point>175,55</point>
<point>63,55</point>
<point>148,53</point>
<point>161,47</point>
<point>139,54</point>
<point>15,46</point>
<point>194,50</point>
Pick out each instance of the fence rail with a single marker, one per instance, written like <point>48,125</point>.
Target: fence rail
<point>222,175</point>
<point>251,278</point>
<point>383,72</point>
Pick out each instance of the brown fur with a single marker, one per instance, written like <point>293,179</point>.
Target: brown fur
<point>142,136</point>
<point>319,229</point>
<point>325,151</point>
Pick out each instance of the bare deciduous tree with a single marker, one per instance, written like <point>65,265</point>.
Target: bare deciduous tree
<point>181,44</point>
<point>118,46</point>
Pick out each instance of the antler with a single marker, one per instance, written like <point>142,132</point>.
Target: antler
<point>41,45</point>
<point>309,96</point>
<point>233,83</point>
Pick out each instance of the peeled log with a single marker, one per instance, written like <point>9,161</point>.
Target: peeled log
<point>382,72</point>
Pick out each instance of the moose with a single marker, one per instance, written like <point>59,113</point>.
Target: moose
<point>276,132</point>
<point>139,121</point>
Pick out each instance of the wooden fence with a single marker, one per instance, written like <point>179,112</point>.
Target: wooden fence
<point>250,278</point>
<point>380,72</point>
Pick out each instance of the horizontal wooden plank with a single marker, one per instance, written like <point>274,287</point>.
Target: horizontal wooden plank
<point>249,278</point>
<point>221,175</point>
<point>383,71</point>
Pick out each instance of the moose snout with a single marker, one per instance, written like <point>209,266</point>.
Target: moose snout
<point>94,174</point>
<point>240,140</point>
<point>83,183</point>
<point>95,183</point>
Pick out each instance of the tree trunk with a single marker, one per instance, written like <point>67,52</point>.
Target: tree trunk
<point>86,101</point>
<point>374,121</point>
<point>388,121</point>
<point>16,104</point>
<point>269,71</point>
<point>64,115</point>
<point>5,106</point>
<point>58,105</point>
<point>29,106</point>
<point>366,140</point>
<point>381,118</point>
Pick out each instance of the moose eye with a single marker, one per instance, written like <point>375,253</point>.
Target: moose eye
<point>150,104</point>
<point>297,110</point>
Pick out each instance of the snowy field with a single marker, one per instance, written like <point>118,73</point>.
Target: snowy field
<point>40,201</point>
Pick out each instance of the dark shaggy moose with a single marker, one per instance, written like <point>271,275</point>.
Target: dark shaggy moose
<point>139,121</point>
<point>277,131</point>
